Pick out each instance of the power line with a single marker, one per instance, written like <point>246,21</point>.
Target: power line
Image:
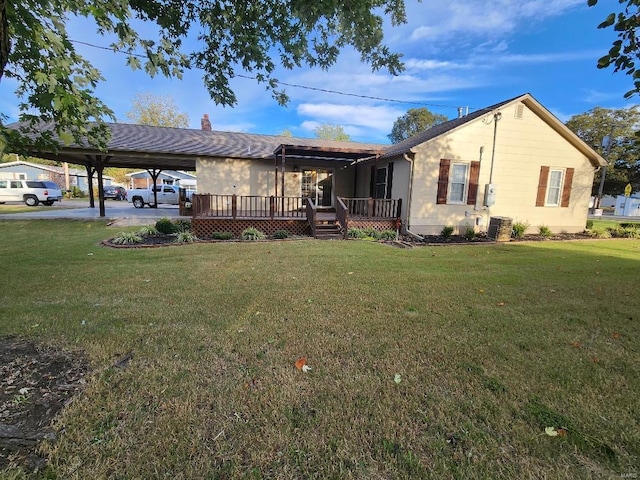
<point>294,85</point>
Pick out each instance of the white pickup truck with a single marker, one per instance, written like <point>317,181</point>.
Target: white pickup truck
<point>168,194</point>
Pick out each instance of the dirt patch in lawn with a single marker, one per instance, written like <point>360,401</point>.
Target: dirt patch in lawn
<point>36,382</point>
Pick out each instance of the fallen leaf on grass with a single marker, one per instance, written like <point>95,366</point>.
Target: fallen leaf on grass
<point>301,364</point>
<point>551,431</point>
<point>501,304</point>
<point>576,344</point>
<point>397,378</point>
<point>562,432</point>
<point>616,335</point>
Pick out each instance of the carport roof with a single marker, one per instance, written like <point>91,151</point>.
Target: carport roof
<point>144,146</point>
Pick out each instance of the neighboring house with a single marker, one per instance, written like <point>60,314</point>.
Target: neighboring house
<point>627,206</point>
<point>21,170</point>
<point>143,179</point>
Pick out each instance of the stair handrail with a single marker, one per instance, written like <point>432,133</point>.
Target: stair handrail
<point>311,215</point>
<point>342,215</point>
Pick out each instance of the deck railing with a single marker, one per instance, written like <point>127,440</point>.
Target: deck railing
<point>246,206</point>
<point>373,207</point>
<point>311,215</point>
<point>342,215</point>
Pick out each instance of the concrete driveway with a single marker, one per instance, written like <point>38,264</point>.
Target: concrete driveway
<point>119,212</point>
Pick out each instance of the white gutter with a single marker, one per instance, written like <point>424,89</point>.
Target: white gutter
<point>411,161</point>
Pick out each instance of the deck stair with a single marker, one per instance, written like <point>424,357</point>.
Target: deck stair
<point>327,226</point>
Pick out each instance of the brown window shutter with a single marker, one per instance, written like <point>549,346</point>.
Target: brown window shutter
<point>566,189</point>
<point>372,182</point>
<point>443,181</point>
<point>389,179</point>
<point>542,186</point>
<point>474,174</point>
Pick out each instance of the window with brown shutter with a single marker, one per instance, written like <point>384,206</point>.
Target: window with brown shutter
<point>542,186</point>
<point>566,189</point>
<point>474,174</point>
<point>443,181</point>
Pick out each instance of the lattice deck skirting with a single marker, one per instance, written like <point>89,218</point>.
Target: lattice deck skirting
<point>379,225</point>
<point>205,227</point>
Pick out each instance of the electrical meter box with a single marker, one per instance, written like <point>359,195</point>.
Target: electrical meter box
<point>489,195</point>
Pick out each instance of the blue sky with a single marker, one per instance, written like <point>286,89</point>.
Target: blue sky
<point>458,53</point>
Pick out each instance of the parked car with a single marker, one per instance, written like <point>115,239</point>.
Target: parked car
<point>31,192</point>
<point>115,192</point>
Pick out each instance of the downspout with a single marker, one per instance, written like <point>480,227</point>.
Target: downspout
<point>410,196</point>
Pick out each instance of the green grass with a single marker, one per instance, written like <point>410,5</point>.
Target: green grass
<point>492,343</point>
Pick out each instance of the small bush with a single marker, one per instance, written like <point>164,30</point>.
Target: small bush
<point>600,233</point>
<point>447,231</point>
<point>371,233</point>
<point>589,224</point>
<point>630,225</point>
<point>148,231</point>
<point>356,233</point>
<point>469,233</point>
<point>280,234</point>
<point>252,233</point>
<point>222,235</point>
<point>182,226</point>
<point>185,237</point>
<point>621,232</point>
<point>544,231</point>
<point>127,238</point>
<point>518,229</point>
<point>164,225</point>
<point>387,235</point>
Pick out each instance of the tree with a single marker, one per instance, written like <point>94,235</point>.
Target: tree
<point>157,110</point>
<point>623,152</point>
<point>625,51</point>
<point>328,131</point>
<point>57,85</point>
<point>416,120</point>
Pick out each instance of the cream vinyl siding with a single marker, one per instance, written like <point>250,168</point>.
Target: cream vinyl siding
<point>523,146</point>
<point>228,176</point>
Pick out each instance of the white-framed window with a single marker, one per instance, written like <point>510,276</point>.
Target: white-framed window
<point>458,183</point>
<point>554,188</point>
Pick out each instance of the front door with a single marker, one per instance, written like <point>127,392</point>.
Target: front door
<point>317,183</point>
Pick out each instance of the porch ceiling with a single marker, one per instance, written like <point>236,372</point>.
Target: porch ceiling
<point>339,154</point>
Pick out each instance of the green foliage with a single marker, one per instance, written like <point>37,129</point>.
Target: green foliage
<point>327,131</point>
<point>148,231</point>
<point>447,231</point>
<point>157,110</point>
<point>589,225</point>
<point>469,233</point>
<point>76,192</point>
<point>387,235</point>
<point>280,234</point>
<point>127,238</point>
<point>356,233</point>
<point>185,237</point>
<point>600,232</point>
<point>622,153</point>
<point>622,232</point>
<point>371,233</point>
<point>252,233</point>
<point>416,120</point>
<point>544,231</point>
<point>164,225</point>
<point>624,51</point>
<point>234,37</point>
<point>222,235</point>
<point>630,225</point>
<point>518,229</point>
<point>182,225</point>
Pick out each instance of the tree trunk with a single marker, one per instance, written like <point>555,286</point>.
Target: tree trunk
<point>5,44</point>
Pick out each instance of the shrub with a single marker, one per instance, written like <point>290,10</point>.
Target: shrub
<point>387,235</point>
<point>185,237</point>
<point>518,229</point>
<point>356,233</point>
<point>371,233</point>
<point>182,226</point>
<point>127,238</point>
<point>544,231</point>
<point>76,192</point>
<point>252,233</point>
<point>447,231</point>
<point>148,231</point>
<point>280,234</point>
<point>222,235</point>
<point>164,225</point>
<point>600,233</point>
<point>630,225</point>
<point>621,232</point>
<point>589,224</point>
<point>469,233</point>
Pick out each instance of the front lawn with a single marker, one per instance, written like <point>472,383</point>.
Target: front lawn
<point>431,362</point>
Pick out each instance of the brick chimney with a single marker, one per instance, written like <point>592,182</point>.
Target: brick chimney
<point>205,123</point>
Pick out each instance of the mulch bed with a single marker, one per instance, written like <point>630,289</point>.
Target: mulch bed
<point>36,382</point>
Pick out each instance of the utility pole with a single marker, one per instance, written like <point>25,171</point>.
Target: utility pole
<point>607,151</point>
